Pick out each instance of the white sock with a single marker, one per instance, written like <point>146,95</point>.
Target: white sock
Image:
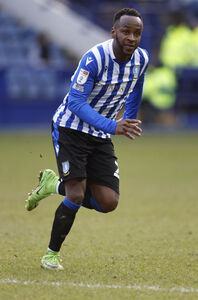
<point>57,187</point>
<point>51,250</point>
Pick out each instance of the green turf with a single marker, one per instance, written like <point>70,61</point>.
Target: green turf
<point>150,240</point>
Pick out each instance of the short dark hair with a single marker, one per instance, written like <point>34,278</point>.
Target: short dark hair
<point>126,11</point>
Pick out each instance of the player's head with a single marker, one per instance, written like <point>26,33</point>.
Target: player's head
<point>126,12</point>
<point>126,32</point>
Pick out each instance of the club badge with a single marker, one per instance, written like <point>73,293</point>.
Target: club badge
<point>65,167</point>
<point>136,70</point>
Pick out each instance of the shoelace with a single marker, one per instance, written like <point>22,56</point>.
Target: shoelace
<point>53,257</point>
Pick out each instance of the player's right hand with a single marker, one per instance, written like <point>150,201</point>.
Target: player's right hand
<point>129,128</point>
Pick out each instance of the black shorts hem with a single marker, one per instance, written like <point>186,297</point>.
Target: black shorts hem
<point>67,178</point>
<point>104,183</point>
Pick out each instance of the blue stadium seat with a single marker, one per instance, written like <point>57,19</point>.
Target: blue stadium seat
<point>187,89</point>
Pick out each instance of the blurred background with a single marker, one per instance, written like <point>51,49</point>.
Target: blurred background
<point>41,42</point>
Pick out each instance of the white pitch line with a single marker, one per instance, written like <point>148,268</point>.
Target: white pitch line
<point>101,286</point>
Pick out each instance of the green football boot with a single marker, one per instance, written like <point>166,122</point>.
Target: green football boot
<point>47,186</point>
<point>51,260</point>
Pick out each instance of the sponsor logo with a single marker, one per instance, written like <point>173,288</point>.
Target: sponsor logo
<point>65,167</point>
<point>88,60</point>
<point>136,70</point>
<point>82,76</point>
<point>78,87</point>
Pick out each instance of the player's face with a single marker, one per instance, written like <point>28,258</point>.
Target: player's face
<point>126,34</point>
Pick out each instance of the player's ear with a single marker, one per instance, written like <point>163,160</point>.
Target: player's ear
<point>113,32</point>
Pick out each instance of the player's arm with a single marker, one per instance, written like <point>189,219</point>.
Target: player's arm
<point>81,87</point>
<point>133,101</point>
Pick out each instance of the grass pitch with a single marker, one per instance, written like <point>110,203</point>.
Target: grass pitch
<point>146,249</point>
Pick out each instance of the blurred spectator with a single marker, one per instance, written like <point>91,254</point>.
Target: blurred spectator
<point>40,54</point>
<point>179,48</point>
<point>44,53</point>
<point>179,45</point>
<point>160,87</point>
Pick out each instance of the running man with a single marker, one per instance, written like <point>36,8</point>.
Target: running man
<point>108,76</point>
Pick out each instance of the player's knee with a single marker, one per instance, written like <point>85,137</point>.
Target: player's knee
<point>76,196</point>
<point>109,205</point>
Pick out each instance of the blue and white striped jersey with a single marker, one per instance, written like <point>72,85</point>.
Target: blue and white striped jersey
<point>100,86</point>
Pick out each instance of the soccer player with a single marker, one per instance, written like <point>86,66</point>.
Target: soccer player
<point>108,76</point>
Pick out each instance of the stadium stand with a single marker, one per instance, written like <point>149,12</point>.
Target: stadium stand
<point>187,96</point>
<point>30,90</point>
<point>26,85</point>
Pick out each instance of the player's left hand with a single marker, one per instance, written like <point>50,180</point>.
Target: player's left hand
<point>129,128</point>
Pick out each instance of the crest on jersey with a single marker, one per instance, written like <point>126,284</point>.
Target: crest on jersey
<point>82,76</point>
<point>136,70</point>
<point>65,167</point>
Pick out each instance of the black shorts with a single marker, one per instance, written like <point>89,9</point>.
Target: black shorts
<point>80,155</point>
